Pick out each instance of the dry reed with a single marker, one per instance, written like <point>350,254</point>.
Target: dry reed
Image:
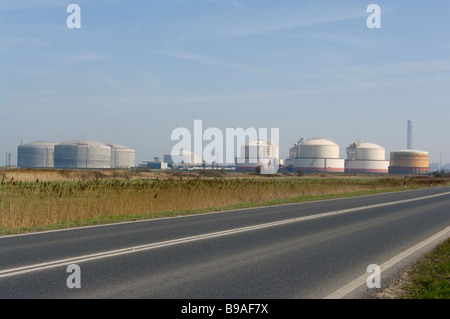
<point>33,204</point>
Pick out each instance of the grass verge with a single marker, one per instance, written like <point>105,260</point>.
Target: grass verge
<point>429,278</point>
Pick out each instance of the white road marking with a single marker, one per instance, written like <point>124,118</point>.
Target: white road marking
<point>358,282</point>
<point>112,253</point>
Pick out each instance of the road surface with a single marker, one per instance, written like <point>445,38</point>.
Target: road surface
<point>310,250</point>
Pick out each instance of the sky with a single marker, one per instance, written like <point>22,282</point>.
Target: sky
<point>138,69</point>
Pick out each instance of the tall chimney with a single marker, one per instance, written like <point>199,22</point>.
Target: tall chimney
<point>409,136</point>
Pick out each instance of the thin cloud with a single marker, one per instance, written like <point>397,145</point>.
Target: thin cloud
<point>403,68</point>
<point>346,39</point>
<point>83,57</point>
<point>48,100</point>
<point>29,4</point>
<point>267,24</point>
<point>204,59</point>
<point>239,5</point>
<point>138,8</point>
<point>22,43</point>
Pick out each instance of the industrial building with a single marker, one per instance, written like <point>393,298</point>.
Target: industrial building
<point>182,158</point>
<point>409,162</point>
<point>36,155</point>
<point>157,163</point>
<point>316,155</point>
<point>122,156</point>
<point>366,158</point>
<point>259,153</point>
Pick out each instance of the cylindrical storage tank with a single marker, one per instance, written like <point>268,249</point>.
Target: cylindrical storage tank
<point>319,155</point>
<point>319,148</point>
<point>122,156</point>
<point>366,167</point>
<point>260,153</point>
<point>365,157</point>
<point>409,162</point>
<point>82,154</point>
<point>319,165</point>
<point>36,155</point>
<point>260,149</point>
<point>366,151</point>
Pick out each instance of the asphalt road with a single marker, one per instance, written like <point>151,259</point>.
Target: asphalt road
<point>308,250</point>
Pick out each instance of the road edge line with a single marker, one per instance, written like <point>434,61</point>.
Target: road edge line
<point>358,282</point>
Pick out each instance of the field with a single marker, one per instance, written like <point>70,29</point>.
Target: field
<point>32,200</point>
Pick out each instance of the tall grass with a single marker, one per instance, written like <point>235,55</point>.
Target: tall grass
<point>34,204</point>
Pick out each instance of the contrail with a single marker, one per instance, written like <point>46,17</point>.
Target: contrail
<point>137,8</point>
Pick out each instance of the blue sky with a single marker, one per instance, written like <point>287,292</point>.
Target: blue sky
<point>138,69</point>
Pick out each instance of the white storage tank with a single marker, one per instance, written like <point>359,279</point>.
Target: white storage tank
<point>79,154</point>
<point>318,155</point>
<point>365,157</point>
<point>259,153</point>
<point>319,148</point>
<point>122,156</point>
<point>36,155</point>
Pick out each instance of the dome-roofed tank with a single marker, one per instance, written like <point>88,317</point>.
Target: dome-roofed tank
<point>365,157</point>
<point>261,149</point>
<point>122,156</point>
<point>409,162</point>
<point>317,155</point>
<point>82,154</point>
<point>361,150</point>
<point>319,148</point>
<point>36,155</point>
<point>260,153</point>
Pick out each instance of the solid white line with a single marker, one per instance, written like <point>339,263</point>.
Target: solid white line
<point>358,282</point>
<point>111,253</point>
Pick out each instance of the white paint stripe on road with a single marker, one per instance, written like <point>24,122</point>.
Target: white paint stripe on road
<point>112,253</point>
<point>362,280</point>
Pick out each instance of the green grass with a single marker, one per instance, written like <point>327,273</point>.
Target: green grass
<point>429,278</point>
